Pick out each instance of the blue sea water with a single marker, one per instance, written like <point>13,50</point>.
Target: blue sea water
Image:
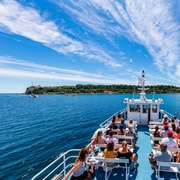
<point>34,131</point>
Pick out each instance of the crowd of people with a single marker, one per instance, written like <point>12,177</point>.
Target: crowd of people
<point>116,127</point>
<point>169,132</point>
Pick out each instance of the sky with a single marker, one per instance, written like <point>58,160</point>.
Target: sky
<point>69,42</point>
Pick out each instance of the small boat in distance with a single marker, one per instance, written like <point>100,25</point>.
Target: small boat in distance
<point>33,96</point>
<point>146,114</point>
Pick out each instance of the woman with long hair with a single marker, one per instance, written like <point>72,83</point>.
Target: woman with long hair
<point>99,139</point>
<point>79,170</point>
<point>157,133</point>
<point>125,152</point>
<point>109,152</point>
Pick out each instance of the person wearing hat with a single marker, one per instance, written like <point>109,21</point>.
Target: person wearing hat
<point>165,119</point>
<point>97,152</point>
<point>169,140</point>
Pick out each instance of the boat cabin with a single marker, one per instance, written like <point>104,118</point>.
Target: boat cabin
<point>143,110</point>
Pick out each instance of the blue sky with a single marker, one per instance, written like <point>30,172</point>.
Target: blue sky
<point>69,42</point>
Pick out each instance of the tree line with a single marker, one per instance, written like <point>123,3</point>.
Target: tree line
<point>108,89</point>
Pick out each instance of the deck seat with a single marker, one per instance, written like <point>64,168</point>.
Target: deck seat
<point>153,139</point>
<point>116,161</point>
<point>129,139</point>
<point>156,122</point>
<point>116,146</point>
<point>167,167</point>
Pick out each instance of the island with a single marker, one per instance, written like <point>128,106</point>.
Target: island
<point>99,89</point>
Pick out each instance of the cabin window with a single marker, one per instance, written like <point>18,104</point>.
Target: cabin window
<point>134,108</point>
<point>145,108</point>
<point>154,108</point>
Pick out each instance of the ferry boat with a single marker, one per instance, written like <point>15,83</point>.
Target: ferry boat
<point>146,113</point>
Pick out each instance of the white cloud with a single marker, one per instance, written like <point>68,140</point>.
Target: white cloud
<point>27,22</point>
<point>155,27</point>
<point>149,23</point>
<point>11,67</point>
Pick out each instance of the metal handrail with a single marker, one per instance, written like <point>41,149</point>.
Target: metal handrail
<point>65,157</point>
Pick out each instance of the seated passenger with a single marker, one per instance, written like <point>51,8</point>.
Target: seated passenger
<point>178,157</point>
<point>79,171</point>
<point>125,152</point>
<point>122,131</point>
<point>119,118</point>
<point>166,129</point>
<point>173,127</point>
<point>96,153</point>
<point>176,136</point>
<point>131,132</point>
<point>131,124</point>
<point>165,119</point>
<point>113,123</point>
<point>122,125</point>
<point>111,138</point>
<point>115,131</point>
<point>157,133</point>
<point>175,121</point>
<point>162,155</point>
<point>169,141</point>
<point>109,152</point>
<point>99,138</point>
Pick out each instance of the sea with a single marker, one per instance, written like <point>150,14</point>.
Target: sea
<point>34,131</point>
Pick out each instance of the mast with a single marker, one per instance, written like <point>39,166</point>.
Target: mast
<point>142,84</point>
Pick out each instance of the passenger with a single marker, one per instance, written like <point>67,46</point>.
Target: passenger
<point>119,118</point>
<point>125,152</point>
<point>113,123</point>
<point>131,125</point>
<point>122,125</point>
<point>131,132</point>
<point>157,133</point>
<point>178,157</point>
<point>169,141</point>
<point>122,131</point>
<point>109,152</point>
<point>162,155</point>
<point>79,171</point>
<point>175,121</point>
<point>176,136</point>
<point>96,153</point>
<point>165,119</point>
<point>166,129</point>
<point>109,130</point>
<point>111,138</point>
<point>99,138</point>
<point>173,125</point>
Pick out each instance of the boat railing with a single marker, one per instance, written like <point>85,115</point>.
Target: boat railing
<point>170,116</point>
<point>59,167</point>
<point>107,121</point>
